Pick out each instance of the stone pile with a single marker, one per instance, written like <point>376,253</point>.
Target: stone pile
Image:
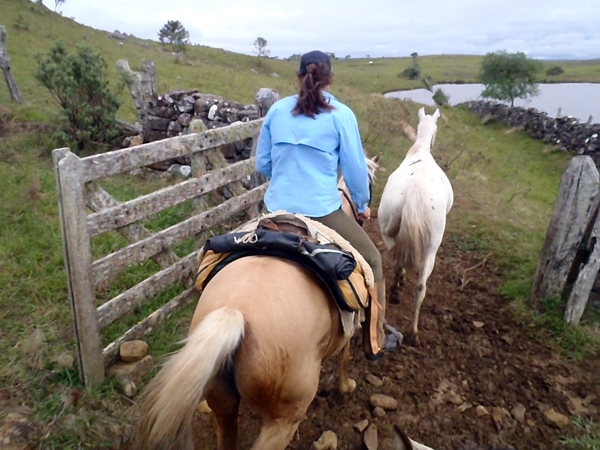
<point>566,133</point>
<point>134,365</point>
<point>182,112</point>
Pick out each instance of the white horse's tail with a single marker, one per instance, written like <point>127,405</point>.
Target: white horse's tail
<point>413,234</point>
<point>171,398</point>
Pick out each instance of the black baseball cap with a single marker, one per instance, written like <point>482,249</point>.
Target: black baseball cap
<point>314,57</point>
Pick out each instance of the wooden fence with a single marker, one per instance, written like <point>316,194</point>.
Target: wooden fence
<point>570,258</point>
<point>78,190</point>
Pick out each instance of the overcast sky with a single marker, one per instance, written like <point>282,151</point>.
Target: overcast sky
<point>553,29</point>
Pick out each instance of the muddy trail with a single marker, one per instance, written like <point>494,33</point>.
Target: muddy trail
<point>478,379</point>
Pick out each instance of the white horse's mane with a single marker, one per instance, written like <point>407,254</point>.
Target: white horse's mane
<point>372,167</point>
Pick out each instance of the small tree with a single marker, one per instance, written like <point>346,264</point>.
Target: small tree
<point>58,4</point>
<point>507,76</point>
<point>440,97</point>
<point>79,85</point>
<point>174,33</point>
<point>260,48</point>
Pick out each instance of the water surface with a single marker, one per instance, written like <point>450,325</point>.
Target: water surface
<point>579,100</point>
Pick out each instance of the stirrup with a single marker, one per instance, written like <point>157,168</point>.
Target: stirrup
<point>392,342</point>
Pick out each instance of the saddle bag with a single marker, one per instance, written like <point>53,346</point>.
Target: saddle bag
<point>335,267</point>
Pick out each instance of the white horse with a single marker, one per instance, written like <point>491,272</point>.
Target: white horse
<point>412,211</point>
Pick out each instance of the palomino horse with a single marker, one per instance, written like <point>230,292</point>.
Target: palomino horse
<point>261,330</point>
<point>348,205</point>
<point>412,211</point>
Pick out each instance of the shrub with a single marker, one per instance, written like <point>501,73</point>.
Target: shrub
<point>555,70</point>
<point>411,73</point>
<point>79,85</point>
<point>440,98</point>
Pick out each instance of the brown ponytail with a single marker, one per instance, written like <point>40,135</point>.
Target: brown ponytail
<point>311,100</point>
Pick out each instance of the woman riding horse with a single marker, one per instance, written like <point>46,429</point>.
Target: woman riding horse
<point>304,140</point>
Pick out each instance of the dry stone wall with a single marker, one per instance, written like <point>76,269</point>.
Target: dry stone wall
<point>182,112</point>
<point>566,133</point>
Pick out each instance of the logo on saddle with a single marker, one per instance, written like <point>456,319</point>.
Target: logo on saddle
<point>290,237</point>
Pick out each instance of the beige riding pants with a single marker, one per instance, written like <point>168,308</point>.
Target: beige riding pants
<point>358,238</point>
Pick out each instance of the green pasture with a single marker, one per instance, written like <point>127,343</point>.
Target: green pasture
<point>505,185</point>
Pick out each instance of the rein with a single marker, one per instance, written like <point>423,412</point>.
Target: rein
<point>352,205</point>
<point>354,212</point>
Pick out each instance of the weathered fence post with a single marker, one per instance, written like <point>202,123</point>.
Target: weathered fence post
<point>78,262</point>
<point>588,271</point>
<point>574,205</point>
<point>142,87</point>
<point>15,95</point>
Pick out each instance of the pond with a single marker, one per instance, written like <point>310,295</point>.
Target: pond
<point>579,100</point>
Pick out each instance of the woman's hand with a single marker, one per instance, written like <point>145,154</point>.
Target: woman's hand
<point>365,215</point>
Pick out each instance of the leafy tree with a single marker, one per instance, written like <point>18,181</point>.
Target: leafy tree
<point>260,47</point>
<point>507,76</point>
<point>78,83</point>
<point>174,33</point>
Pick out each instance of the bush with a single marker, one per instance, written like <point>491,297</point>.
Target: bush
<point>556,70</point>
<point>411,73</point>
<point>440,98</point>
<point>78,83</point>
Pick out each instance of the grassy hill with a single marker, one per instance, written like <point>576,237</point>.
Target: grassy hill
<point>504,182</point>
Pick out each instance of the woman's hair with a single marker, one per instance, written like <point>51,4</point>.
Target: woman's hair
<point>311,100</point>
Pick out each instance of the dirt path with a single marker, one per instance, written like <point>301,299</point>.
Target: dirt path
<point>473,353</point>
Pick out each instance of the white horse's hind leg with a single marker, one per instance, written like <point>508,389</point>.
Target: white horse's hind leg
<point>420,291</point>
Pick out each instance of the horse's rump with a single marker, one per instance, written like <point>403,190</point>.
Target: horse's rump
<point>413,234</point>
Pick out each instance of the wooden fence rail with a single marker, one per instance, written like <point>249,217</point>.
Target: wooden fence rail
<point>76,183</point>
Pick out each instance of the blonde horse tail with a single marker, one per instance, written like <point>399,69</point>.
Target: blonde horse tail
<point>169,401</point>
<point>413,234</point>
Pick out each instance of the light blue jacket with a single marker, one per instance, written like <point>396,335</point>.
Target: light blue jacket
<point>301,157</point>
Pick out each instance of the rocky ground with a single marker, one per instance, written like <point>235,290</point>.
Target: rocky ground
<point>478,380</point>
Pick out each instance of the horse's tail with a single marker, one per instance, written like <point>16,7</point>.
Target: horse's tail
<point>413,234</point>
<point>169,402</point>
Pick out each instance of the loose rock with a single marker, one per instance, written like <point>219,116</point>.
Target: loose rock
<point>203,407</point>
<point>499,415</point>
<point>481,411</point>
<point>384,401</point>
<point>556,419</point>
<point>518,412</point>
<point>374,380</point>
<point>379,412</point>
<point>370,438</point>
<point>327,441</point>
<point>134,371</point>
<point>360,426</point>
<point>133,350</point>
